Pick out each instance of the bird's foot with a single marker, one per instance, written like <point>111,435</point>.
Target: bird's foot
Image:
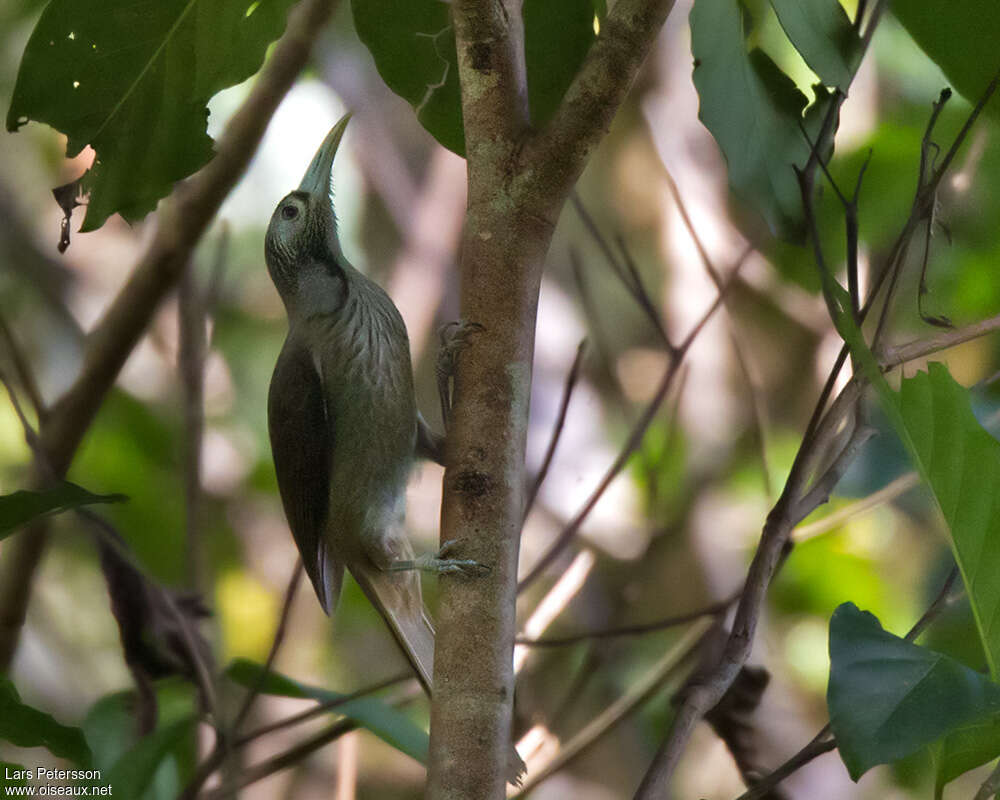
<point>454,336</point>
<point>439,564</point>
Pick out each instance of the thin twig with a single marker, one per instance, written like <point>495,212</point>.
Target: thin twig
<point>639,693</point>
<point>284,760</point>
<point>191,366</point>
<point>25,375</point>
<point>227,742</point>
<point>893,356</point>
<point>279,637</point>
<point>571,380</point>
<point>888,493</point>
<point>625,270</point>
<point>711,610</point>
<point>757,412</point>
<point>563,540</point>
<point>320,709</point>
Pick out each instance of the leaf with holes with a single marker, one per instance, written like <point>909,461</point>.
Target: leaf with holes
<point>888,697</point>
<point>132,81</point>
<point>413,45</point>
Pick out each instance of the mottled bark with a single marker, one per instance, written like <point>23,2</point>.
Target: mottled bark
<point>519,180</point>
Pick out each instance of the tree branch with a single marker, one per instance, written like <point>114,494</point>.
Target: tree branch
<point>517,188</point>
<point>182,220</point>
<point>560,152</point>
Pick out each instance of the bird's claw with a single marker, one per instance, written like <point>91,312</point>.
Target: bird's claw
<point>454,336</point>
<point>439,564</point>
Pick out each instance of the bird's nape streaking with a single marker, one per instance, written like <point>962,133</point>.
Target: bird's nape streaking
<point>343,421</point>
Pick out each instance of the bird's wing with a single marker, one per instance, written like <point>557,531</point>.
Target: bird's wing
<point>302,441</point>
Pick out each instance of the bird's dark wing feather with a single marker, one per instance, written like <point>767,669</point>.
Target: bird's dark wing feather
<point>302,441</point>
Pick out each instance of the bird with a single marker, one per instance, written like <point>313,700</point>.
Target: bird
<point>343,420</point>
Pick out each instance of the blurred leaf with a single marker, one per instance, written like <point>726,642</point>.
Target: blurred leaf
<point>413,44</point>
<point>557,36</point>
<point>824,36</point>
<point>127,761</point>
<point>22,507</point>
<point>133,82</point>
<point>824,572</point>
<point>965,748</point>
<point>133,448</point>
<point>754,112</point>
<point>25,726</point>
<point>384,721</point>
<point>135,770</point>
<point>960,37</point>
<point>888,697</point>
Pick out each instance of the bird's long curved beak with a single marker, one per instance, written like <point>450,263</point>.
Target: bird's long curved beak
<point>318,180</point>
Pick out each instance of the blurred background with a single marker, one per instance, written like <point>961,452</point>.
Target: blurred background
<point>675,530</point>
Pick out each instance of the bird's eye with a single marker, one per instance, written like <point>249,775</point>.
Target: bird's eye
<point>289,212</point>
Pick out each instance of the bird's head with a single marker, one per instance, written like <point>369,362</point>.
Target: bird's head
<point>303,228</point>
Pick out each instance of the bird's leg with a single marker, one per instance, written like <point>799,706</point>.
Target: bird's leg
<point>440,564</point>
<point>430,445</point>
<point>454,337</point>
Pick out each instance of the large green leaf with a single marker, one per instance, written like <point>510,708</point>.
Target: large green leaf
<point>960,462</point>
<point>888,697</point>
<point>754,111</point>
<point>824,37</point>
<point>22,507</point>
<point>384,721</point>
<point>960,37</point>
<point>413,44</point>
<point>24,726</point>
<point>132,81</point>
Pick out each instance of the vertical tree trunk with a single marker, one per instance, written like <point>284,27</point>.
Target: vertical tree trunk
<point>519,180</point>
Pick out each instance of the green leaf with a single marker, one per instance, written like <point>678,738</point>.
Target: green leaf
<point>754,111</point>
<point>888,697</point>
<point>960,37</point>
<point>25,726</point>
<point>135,770</point>
<point>965,748</point>
<point>384,721</point>
<point>413,44</point>
<point>824,37</point>
<point>960,462</point>
<point>22,507</point>
<point>157,766</point>
<point>132,81</point>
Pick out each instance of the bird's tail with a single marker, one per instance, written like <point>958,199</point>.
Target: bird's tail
<point>397,597</point>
